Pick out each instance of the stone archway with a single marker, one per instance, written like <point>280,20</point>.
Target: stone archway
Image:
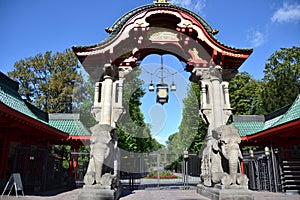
<point>158,28</point>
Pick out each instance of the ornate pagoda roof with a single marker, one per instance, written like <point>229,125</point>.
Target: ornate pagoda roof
<point>145,28</point>
<point>117,26</point>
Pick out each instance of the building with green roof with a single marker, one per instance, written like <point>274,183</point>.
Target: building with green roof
<point>279,128</point>
<point>28,137</point>
<point>273,161</point>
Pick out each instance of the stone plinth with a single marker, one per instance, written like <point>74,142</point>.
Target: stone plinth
<point>95,192</point>
<point>216,193</point>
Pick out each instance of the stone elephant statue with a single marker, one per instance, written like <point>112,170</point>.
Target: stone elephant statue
<point>101,147</point>
<point>226,157</point>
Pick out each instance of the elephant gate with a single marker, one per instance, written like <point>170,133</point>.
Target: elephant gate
<point>161,28</point>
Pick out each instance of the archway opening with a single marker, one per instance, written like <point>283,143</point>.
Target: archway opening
<point>164,119</point>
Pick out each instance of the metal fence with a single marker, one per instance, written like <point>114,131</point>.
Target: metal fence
<point>135,166</point>
<point>276,171</point>
<point>40,170</point>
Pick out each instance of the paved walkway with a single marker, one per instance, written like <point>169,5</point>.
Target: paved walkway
<point>157,194</point>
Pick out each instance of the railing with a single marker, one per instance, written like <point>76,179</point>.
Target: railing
<point>278,171</point>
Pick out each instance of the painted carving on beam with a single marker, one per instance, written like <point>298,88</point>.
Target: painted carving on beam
<point>195,54</point>
<point>164,36</point>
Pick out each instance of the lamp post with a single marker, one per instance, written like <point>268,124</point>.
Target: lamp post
<point>267,153</point>
<point>185,171</point>
<point>131,173</point>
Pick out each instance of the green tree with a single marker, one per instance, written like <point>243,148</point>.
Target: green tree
<point>133,133</point>
<point>281,79</point>
<point>192,128</point>
<point>244,94</point>
<point>48,81</point>
<point>83,100</point>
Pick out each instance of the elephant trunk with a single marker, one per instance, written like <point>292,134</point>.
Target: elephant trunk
<point>233,169</point>
<point>232,157</point>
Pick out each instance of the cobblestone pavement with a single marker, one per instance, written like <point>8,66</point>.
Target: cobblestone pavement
<point>157,194</point>
<point>70,195</point>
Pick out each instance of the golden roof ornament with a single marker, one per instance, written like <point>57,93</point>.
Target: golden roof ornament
<point>162,2</point>
<point>108,30</point>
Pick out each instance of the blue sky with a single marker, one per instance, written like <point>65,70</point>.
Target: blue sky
<point>34,26</point>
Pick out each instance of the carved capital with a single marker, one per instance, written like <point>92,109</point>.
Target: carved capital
<point>211,73</point>
<point>124,70</point>
<point>215,72</point>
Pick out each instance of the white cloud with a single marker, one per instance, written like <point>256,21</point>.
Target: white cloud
<point>194,5</point>
<point>287,13</point>
<point>256,38</point>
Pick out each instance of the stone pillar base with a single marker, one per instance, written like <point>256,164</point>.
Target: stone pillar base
<point>95,192</point>
<point>216,193</point>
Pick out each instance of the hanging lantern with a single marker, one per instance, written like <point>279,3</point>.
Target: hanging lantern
<point>173,87</point>
<point>162,93</point>
<point>151,87</point>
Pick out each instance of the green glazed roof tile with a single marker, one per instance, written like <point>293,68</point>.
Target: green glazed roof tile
<point>248,128</point>
<point>69,123</point>
<point>271,122</point>
<point>13,100</point>
<point>292,114</point>
<point>252,127</point>
<point>73,127</point>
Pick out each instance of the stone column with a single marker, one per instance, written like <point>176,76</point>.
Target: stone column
<point>107,100</point>
<point>215,110</point>
<point>214,100</point>
<point>102,177</point>
<point>221,142</point>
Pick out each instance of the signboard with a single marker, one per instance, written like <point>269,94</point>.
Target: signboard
<point>14,181</point>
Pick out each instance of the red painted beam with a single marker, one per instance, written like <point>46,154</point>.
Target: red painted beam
<point>276,134</point>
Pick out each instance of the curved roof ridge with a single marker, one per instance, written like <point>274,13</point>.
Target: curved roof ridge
<point>141,8</point>
<point>294,111</point>
<point>118,24</point>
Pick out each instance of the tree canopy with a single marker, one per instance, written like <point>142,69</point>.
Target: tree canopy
<point>281,79</point>
<point>133,133</point>
<point>192,128</point>
<point>48,80</point>
<point>244,94</point>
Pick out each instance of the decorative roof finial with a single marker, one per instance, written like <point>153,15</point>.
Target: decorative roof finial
<point>162,2</point>
<point>215,31</point>
<point>108,30</point>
